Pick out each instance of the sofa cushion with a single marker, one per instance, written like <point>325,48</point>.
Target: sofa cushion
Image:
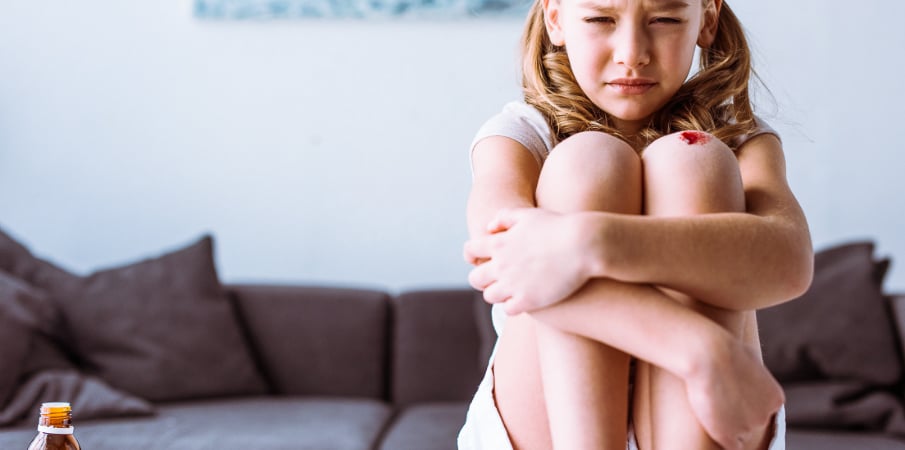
<point>841,328</point>
<point>259,423</point>
<point>436,341</point>
<point>431,426</point>
<point>801,439</point>
<point>162,328</point>
<point>318,341</point>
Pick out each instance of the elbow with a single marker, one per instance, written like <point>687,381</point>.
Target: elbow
<point>797,271</point>
<point>790,273</point>
<point>798,281</point>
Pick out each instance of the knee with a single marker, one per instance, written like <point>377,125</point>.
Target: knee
<point>691,151</point>
<point>590,153</point>
<point>693,164</point>
<point>589,165</point>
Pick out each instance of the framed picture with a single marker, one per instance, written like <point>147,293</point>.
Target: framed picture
<point>358,9</point>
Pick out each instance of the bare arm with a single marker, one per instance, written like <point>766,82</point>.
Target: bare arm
<point>505,176</point>
<point>739,261</point>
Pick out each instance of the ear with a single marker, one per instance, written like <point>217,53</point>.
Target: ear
<point>551,21</point>
<point>709,23</point>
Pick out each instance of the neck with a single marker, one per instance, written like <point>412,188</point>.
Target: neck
<point>631,129</point>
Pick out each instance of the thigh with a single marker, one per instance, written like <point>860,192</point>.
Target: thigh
<point>588,171</point>
<point>517,389</point>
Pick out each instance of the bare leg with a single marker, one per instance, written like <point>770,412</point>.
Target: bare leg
<point>583,384</point>
<point>722,375</point>
<point>637,319</point>
<point>718,369</point>
<point>683,179</point>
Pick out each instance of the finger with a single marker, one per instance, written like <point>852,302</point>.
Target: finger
<point>513,307</point>
<point>477,250</point>
<point>504,220</point>
<point>496,293</point>
<point>481,276</point>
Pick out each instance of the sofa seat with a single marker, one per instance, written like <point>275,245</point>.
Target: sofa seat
<point>261,423</point>
<point>837,440</point>
<point>431,426</point>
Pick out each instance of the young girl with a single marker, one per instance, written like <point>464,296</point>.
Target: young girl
<point>626,223</point>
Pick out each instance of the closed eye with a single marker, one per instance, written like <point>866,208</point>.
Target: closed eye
<point>667,20</point>
<point>600,19</point>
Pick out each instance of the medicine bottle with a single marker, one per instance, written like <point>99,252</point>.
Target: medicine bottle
<point>55,428</point>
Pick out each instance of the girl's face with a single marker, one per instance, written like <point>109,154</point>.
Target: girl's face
<point>630,56</point>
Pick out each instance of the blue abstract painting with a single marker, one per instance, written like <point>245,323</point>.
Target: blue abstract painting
<point>360,9</point>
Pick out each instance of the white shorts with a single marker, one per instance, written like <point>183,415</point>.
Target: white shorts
<point>484,430</point>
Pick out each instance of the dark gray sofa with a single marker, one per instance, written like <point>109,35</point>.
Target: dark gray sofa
<point>159,354</point>
<point>349,369</point>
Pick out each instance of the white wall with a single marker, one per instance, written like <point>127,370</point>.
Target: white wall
<point>336,151</point>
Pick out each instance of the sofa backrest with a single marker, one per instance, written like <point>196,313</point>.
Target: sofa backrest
<point>436,352</point>
<point>419,346</point>
<point>318,340</point>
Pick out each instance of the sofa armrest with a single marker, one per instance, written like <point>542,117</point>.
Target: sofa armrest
<point>436,347</point>
<point>318,340</point>
<point>897,306</point>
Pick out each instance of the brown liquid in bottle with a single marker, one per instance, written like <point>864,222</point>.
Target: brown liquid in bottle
<point>55,429</point>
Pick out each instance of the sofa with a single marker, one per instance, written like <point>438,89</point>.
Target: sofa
<point>319,367</point>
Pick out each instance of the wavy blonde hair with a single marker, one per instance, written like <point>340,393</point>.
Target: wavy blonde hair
<point>715,99</point>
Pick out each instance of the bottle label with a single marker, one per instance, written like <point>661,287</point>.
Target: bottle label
<point>55,430</point>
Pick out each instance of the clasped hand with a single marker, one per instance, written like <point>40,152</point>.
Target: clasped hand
<point>531,258</point>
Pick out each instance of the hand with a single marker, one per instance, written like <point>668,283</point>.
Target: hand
<point>533,258</point>
<point>735,397</point>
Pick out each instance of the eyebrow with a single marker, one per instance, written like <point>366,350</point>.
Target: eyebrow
<point>663,5</point>
<point>671,5</point>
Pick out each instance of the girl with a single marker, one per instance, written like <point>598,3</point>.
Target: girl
<point>625,215</point>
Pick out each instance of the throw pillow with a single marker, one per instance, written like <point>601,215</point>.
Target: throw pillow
<point>162,328</point>
<point>44,351</point>
<point>18,261</point>
<point>840,328</point>
<point>90,398</point>
<point>23,310</point>
<point>841,405</point>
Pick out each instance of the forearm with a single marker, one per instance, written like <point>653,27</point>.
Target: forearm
<point>642,321</point>
<point>482,208</point>
<point>737,261</point>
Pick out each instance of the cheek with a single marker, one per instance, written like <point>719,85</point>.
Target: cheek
<point>587,64</point>
<point>677,62</point>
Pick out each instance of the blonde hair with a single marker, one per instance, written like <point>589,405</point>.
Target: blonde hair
<point>715,99</point>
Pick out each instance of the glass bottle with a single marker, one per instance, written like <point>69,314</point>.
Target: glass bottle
<point>55,428</point>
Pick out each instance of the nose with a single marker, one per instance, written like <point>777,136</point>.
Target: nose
<point>631,46</point>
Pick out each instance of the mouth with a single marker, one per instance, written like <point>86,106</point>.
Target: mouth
<point>631,85</point>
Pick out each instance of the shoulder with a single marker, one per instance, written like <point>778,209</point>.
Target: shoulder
<point>522,123</point>
<point>761,128</point>
<point>761,156</point>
